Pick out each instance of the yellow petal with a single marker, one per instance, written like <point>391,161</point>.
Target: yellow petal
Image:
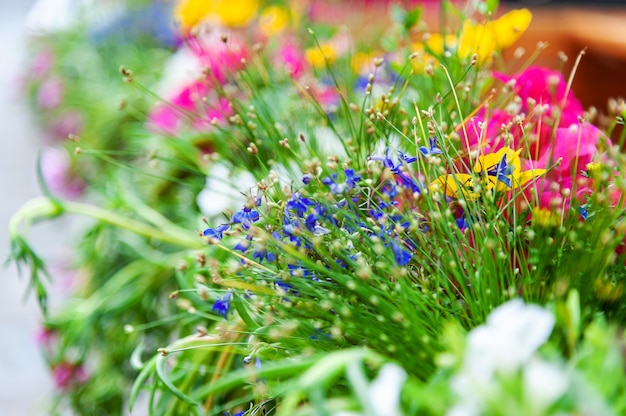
<point>523,178</point>
<point>475,39</point>
<point>484,40</point>
<point>273,20</point>
<point>318,57</point>
<point>510,26</point>
<point>233,13</point>
<point>490,161</point>
<point>456,185</point>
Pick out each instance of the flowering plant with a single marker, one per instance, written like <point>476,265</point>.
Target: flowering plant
<point>360,220</point>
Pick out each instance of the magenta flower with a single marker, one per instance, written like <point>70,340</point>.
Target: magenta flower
<point>292,57</point>
<point>188,109</point>
<point>195,103</point>
<point>542,100</point>
<point>575,147</point>
<point>66,374</point>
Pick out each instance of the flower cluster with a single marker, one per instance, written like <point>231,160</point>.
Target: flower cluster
<point>295,216</point>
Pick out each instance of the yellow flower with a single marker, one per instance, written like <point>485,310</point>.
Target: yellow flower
<point>433,45</point>
<point>500,171</point>
<point>545,218</point>
<point>318,56</point>
<point>273,20</point>
<point>484,40</point>
<point>607,291</point>
<point>233,13</point>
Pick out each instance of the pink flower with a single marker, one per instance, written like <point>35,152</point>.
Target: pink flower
<point>188,108</point>
<point>574,147</point>
<point>550,130</point>
<point>58,174</point>
<point>545,87</point>
<point>293,59</point>
<point>195,104</point>
<point>222,56</point>
<point>42,64</point>
<point>68,123</point>
<point>541,99</point>
<point>45,337</point>
<point>50,93</point>
<point>67,374</point>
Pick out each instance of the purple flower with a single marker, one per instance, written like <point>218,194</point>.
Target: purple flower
<point>221,306</point>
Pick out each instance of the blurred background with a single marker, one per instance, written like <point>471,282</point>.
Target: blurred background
<point>565,26</point>
<point>24,381</point>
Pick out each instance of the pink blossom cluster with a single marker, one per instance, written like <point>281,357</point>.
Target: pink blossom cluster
<point>196,102</point>
<point>546,121</point>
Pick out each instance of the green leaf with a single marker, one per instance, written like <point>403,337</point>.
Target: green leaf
<point>148,369</point>
<point>243,313</point>
<point>164,377</point>
<point>412,18</point>
<point>492,5</point>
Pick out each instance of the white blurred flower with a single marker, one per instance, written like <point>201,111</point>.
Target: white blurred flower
<point>224,190</point>
<point>52,16</point>
<point>544,383</point>
<point>384,392</point>
<point>511,335</point>
<point>502,346</point>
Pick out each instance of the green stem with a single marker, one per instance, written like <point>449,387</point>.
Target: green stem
<point>42,208</point>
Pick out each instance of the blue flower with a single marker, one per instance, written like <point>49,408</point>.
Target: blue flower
<point>351,178</point>
<point>401,256</point>
<point>432,148</point>
<point>217,232</point>
<point>584,213</point>
<point>341,187</point>
<point>221,306</point>
<point>261,253</point>
<point>395,166</point>
<point>502,171</point>
<point>246,216</point>
<point>335,188</point>
<point>298,204</point>
<point>244,244</point>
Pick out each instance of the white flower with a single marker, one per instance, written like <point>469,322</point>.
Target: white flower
<point>511,335</point>
<point>544,383</point>
<point>503,345</point>
<point>384,392</point>
<point>223,190</point>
